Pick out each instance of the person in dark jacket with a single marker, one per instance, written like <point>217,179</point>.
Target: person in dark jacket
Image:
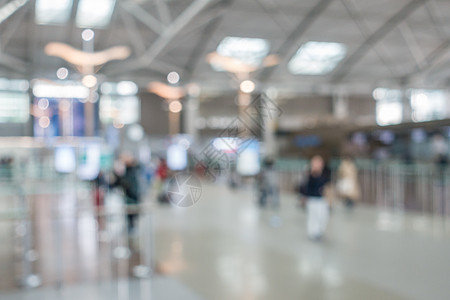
<point>313,189</point>
<point>129,182</point>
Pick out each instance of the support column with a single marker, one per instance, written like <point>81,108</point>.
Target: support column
<point>340,105</point>
<point>88,37</point>
<point>270,123</point>
<point>406,107</point>
<point>190,115</point>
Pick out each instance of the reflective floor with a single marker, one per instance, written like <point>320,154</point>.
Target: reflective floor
<point>160,288</point>
<point>226,247</point>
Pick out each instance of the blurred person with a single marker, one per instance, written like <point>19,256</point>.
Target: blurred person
<point>233,179</point>
<point>347,184</point>
<point>313,189</point>
<point>439,149</point>
<point>99,184</point>
<point>268,184</point>
<point>162,174</point>
<point>126,177</point>
<point>6,168</point>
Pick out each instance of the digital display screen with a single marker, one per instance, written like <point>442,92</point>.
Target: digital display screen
<point>305,141</point>
<point>90,162</point>
<point>248,159</point>
<point>176,157</point>
<point>58,117</point>
<point>14,107</point>
<point>65,160</point>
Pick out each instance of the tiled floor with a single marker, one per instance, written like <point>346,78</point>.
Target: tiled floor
<point>225,247</point>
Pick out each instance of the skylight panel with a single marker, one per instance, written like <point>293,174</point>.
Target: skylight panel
<point>317,58</point>
<point>248,50</point>
<point>53,12</point>
<point>94,13</point>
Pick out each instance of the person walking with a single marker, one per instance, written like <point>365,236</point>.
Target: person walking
<point>347,184</point>
<point>129,182</point>
<point>268,184</point>
<point>316,205</point>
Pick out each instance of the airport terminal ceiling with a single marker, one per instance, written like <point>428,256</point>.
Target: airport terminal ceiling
<point>400,43</point>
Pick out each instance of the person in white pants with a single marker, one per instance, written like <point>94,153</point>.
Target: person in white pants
<point>317,206</point>
<point>318,214</point>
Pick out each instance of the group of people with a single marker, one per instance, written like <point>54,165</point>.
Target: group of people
<point>126,179</point>
<point>316,190</point>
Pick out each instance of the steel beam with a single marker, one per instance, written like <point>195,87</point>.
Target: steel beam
<point>144,17</point>
<point>163,11</point>
<point>199,49</point>
<point>11,29</point>
<point>13,63</point>
<point>133,33</point>
<point>164,39</point>
<point>292,39</point>
<point>434,13</point>
<point>11,8</point>
<point>411,41</point>
<point>373,39</point>
<point>430,62</point>
<point>356,16</point>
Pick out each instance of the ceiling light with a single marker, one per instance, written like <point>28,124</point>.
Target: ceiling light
<point>87,35</point>
<point>384,94</point>
<point>175,106</point>
<point>247,86</point>
<point>173,77</point>
<point>94,13</point>
<point>62,73</point>
<point>53,12</point>
<point>44,122</point>
<point>127,88</point>
<point>248,50</point>
<point>317,58</point>
<point>43,103</point>
<point>89,81</point>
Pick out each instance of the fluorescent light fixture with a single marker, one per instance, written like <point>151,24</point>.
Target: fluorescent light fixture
<point>248,50</point>
<point>316,58</point>
<point>46,90</point>
<point>53,12</point>
<point>94,13</point>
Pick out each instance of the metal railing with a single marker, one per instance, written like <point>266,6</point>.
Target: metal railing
<point>53,233</point>
<point>419,187</point>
